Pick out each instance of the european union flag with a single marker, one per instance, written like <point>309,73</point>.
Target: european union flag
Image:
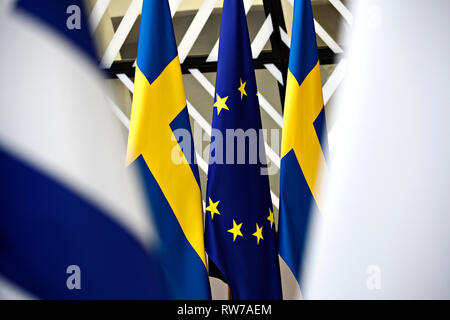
<point>240,229</point>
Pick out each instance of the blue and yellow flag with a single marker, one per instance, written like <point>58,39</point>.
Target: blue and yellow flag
<point>303,145</point>
<point>158,110</point>
<point>240,230</point>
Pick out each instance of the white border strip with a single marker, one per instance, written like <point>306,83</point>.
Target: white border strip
<point>97,13</point>
<point>345,13</point>
<point>121,34</point>
<point>275,199</point>
<point>329,88</point>
<point>202,164</point>
<point>119,114</point>
<point>195,28</point>
<point>203,81</point>
<point>327,38</point>
<point>324,35</point>
<point>275,72</point>
<point>262,37</point>
<point>267,107</point>
<point>199,118</point>
<point>126,81</point>
<point>334,80</point>
<point>174,4</point>
<point>285,37</point>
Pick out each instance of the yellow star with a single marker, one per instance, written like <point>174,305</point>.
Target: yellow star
<point>236,230</point>
<point>213,208</point>
<point>221,103</point>
<point>271,218</point>
<point>258,234</point>
<point>242,89</point>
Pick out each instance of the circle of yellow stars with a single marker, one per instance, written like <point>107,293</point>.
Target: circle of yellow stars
<point>221,104</point>
<point>236,229</point>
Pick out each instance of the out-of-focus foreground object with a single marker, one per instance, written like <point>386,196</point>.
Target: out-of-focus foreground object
<point>384,231</point>
<point>74,222</point>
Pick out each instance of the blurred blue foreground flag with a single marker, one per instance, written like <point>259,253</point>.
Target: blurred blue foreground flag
<point>74,221</point>
<point>304,142</point>
<point>240,229</point>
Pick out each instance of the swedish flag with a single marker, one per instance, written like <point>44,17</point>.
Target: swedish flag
<point>158,110</point>
<point>303,144</point>
<point>240,230</point>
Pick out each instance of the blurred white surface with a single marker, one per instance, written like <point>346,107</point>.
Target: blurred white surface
<point>384,233</point>
<point>57,120</point>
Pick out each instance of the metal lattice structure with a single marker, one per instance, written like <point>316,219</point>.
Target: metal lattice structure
<point>275,61</point>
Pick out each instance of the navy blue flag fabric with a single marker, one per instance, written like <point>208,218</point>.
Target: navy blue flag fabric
<point>60,165</point>
<point>240,229</point>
